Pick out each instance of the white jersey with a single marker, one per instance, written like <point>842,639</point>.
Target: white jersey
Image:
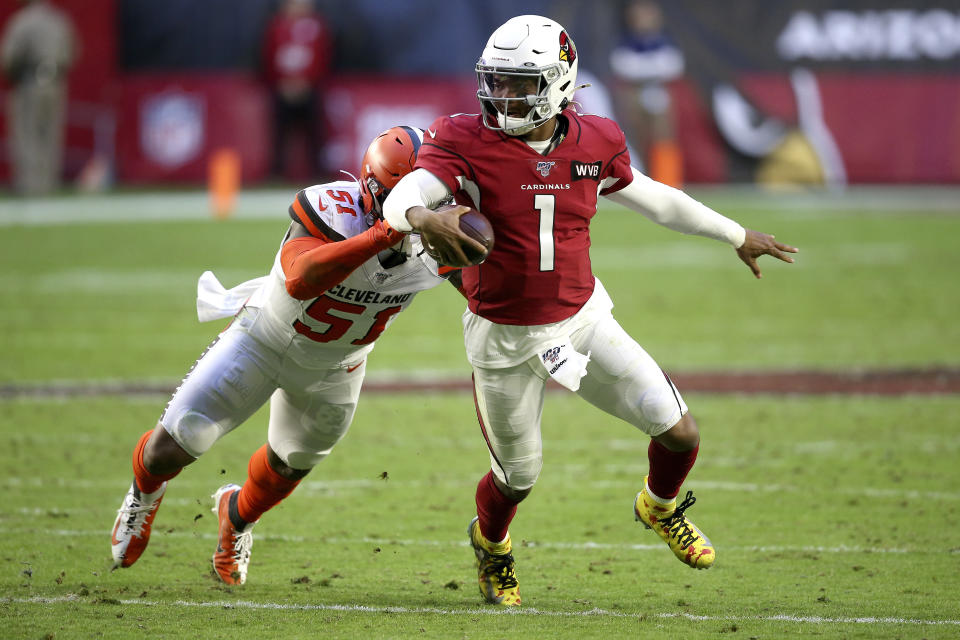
<point>341,325</point>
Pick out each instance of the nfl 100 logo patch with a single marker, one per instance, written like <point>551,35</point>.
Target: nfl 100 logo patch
<point>551,355</point>
<point>544,167</point>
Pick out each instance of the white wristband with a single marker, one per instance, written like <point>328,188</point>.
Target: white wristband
<point>420,188</point>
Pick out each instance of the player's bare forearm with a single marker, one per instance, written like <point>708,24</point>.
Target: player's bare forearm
<point>418,217</point>
<point>757,244</point>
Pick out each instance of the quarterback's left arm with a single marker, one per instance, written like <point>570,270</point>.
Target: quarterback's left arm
<point>676,210</point>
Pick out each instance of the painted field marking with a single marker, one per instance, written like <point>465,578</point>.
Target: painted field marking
<point>116,281</point>
<point>882,382</point>
<point>150,207</point>
<point>689,255</point>
<point>526,544</point>
<point>360,484</point>
<point>866,201</point>
<point>525,611</point>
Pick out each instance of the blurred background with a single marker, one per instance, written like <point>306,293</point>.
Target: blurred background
<point>794,93</point>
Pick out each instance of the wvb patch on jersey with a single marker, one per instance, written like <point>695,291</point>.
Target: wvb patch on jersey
<point>585,170</point>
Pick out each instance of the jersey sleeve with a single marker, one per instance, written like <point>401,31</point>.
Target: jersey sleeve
<point>331,211</point>
<point>617,170</point>
<point>439,152</point>
<point>308,211</point>
<point>312,265</point>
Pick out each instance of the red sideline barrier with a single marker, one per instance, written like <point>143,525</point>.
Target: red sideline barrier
<point>169,125</point>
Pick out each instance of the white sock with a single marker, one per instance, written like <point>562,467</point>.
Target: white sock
<point>657,498</point>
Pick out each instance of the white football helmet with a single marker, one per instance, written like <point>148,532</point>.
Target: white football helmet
<point>526,74</point>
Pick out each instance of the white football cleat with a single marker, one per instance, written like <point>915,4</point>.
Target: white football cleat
<point>131,530</point>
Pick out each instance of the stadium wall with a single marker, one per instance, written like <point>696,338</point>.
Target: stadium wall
<point>859,91</point>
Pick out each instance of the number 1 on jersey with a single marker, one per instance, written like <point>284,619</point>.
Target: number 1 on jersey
<point>545,203</point>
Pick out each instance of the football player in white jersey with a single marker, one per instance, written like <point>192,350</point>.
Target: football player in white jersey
<point>300,341</point>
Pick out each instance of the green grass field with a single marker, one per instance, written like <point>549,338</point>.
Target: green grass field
<point>834,516</point>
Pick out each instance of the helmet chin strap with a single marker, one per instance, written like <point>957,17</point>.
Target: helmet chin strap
<point>522,126</point>
<point>531,100</point>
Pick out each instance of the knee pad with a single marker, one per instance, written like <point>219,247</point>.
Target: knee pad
<point>193,431</point>
<point>303,447</point>
<point>293,455</point>
<point>659,405</point>
<point>520,475</point>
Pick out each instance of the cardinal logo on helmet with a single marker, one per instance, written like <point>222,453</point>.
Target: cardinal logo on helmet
<point>568,52</point>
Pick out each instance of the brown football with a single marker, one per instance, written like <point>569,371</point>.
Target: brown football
<point>477,226</point>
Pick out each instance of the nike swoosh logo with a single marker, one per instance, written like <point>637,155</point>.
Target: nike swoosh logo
<point>354,367</point>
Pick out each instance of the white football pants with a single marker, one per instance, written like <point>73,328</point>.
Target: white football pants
<point>622,380</point>
<point>310,409</point>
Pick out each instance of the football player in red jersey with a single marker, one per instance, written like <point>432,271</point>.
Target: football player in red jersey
<point>299,338</point>
<point>535,167</point>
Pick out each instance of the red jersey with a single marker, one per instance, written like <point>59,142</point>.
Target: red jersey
<point>540,207</point>
<point>297,48</point>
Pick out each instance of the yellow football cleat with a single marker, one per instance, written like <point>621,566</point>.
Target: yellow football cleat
<point>671,523</point>
<point>497,577</point>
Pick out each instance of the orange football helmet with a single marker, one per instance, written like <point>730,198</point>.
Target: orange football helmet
<point>389,157</point>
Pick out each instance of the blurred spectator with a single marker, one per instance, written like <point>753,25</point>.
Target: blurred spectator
<point>297,52</point>
<point>36,50</point>
<point>643,62</point>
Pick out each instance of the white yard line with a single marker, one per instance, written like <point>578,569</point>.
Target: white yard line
<point>133,208</point>
<point>527,544</point>
<point>525,611</point>
<point>157,206</point>
<point>713,256</point>
<point>361,484</point>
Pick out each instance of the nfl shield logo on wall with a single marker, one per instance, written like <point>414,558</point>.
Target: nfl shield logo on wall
<point>172,128</point>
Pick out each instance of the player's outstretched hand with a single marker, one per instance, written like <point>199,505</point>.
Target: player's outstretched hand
<point>441,234</point>
<point>758,244</point>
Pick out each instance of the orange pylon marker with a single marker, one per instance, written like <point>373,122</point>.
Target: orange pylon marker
<point>666,163</point>
<point>223,181</point>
